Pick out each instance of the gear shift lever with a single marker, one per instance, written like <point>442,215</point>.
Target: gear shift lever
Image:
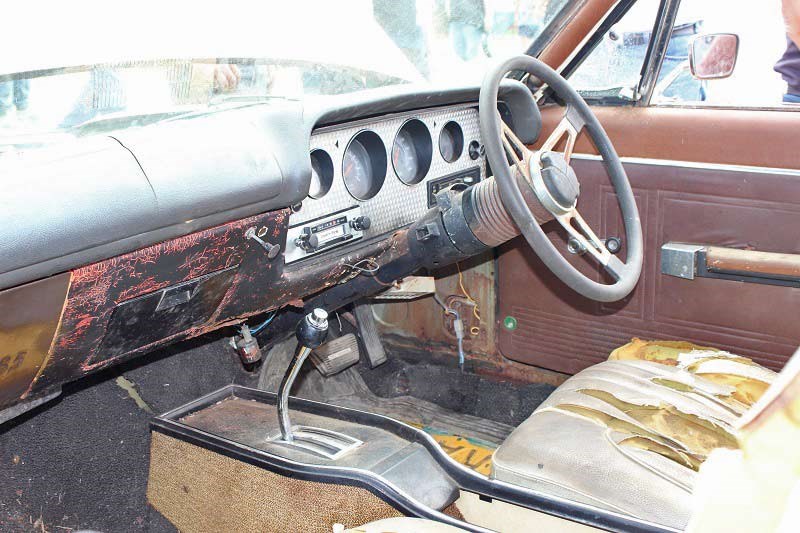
<point>310,332</point>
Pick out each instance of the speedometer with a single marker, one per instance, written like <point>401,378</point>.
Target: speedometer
<point>364,165</point>
<point>411,152</point>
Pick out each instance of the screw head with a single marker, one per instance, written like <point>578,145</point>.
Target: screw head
<point>613,244</point>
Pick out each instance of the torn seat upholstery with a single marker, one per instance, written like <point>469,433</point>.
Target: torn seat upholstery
<point>629,434</point>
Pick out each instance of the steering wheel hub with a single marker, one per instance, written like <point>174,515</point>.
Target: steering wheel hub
<point>560,184</point>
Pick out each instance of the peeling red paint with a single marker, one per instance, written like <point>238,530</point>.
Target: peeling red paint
<point>97,288</point>
<point>258,285</point>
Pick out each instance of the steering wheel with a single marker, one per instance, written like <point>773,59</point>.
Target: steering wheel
<point>544,183</point>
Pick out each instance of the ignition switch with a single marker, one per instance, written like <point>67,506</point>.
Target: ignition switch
<point>613,244</point>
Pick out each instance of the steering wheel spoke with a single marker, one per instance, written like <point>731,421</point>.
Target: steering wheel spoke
<point>571,125</point>
<point>578,229</point>
<point>519,153</point>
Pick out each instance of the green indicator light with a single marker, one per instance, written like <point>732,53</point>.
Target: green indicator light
<point>510,323</point>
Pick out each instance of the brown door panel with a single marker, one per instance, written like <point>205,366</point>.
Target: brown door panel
<point>735,137</point>
<point>560,330</point>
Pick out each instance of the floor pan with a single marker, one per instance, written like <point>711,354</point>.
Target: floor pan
<point>349,389</point>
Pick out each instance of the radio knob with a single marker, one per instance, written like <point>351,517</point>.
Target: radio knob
<point>361,223</point>
<point>307,241</point>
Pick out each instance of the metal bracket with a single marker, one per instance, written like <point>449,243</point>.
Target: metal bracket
<point>690,261</point>
<point>679,259</point>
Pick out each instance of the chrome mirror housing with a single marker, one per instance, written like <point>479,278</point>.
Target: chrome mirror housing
<point>713,56</point>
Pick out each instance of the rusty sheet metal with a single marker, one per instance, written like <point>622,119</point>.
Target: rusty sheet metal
<point>424,319</point>
<point>97,288</point>
<point>259,285</point>
<point>29,316</point>
<point>421,326</point>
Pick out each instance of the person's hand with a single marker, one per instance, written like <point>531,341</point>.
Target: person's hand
<point>226,77</point>
<point>720,57</point>
<point>791,17</point>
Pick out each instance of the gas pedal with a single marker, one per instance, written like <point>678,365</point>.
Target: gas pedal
<point>368,330</point>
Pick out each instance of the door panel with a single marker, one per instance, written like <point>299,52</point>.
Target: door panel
<point>707,204</point>
<point>760,138</point>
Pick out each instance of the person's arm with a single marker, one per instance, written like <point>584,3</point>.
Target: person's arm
<point>791,17</point>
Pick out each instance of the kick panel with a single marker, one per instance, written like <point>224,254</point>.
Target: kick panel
<point>736,207</point>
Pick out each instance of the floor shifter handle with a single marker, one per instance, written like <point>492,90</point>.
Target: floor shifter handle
<point>310,332</point>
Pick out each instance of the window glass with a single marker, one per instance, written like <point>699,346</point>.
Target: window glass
<point>203,60</point>
<point>766,58</point>
<point>612,69</point>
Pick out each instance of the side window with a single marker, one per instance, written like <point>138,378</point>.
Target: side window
<point>613,68</point>
<point>766,60</point>
<point>741,56</point>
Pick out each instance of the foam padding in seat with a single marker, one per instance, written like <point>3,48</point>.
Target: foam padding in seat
<point>748,379</point>
<point>472,453</point>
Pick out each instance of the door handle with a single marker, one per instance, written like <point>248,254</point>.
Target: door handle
<point>689,261</point>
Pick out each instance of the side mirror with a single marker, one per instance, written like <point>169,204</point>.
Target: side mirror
<point>713,56</point>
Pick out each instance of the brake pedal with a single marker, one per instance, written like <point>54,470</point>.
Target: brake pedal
<point>336,355</point>
<point>368,330</point>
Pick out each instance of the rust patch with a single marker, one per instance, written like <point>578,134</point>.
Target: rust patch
<point>97,288</point>
<point>259,285</point>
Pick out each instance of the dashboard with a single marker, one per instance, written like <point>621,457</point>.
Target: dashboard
<point>371,177</point>
<point>120,243</point>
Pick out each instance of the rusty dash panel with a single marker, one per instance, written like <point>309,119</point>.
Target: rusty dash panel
<point>98,288</point>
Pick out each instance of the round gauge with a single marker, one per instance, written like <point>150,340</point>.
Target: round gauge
<point>364,165</point>
<point>411,152</point>
<point>321,173</point>
<point>451,142</point>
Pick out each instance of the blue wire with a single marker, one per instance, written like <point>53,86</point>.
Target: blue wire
<point>256,330</point>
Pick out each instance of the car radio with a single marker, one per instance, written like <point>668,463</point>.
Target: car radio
<point>313,237</point>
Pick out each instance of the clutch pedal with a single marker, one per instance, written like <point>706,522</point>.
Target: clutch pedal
<point>336,355</point>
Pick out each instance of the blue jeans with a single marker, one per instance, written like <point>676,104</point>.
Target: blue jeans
<point>14,94</point>
<point>685,87</point>
<point>466,39</point>
<point>790,98</point>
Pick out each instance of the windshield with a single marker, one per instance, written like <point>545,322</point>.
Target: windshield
<point>159,60</point>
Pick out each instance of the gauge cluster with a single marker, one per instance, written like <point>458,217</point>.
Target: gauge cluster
<point>388,168</point>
